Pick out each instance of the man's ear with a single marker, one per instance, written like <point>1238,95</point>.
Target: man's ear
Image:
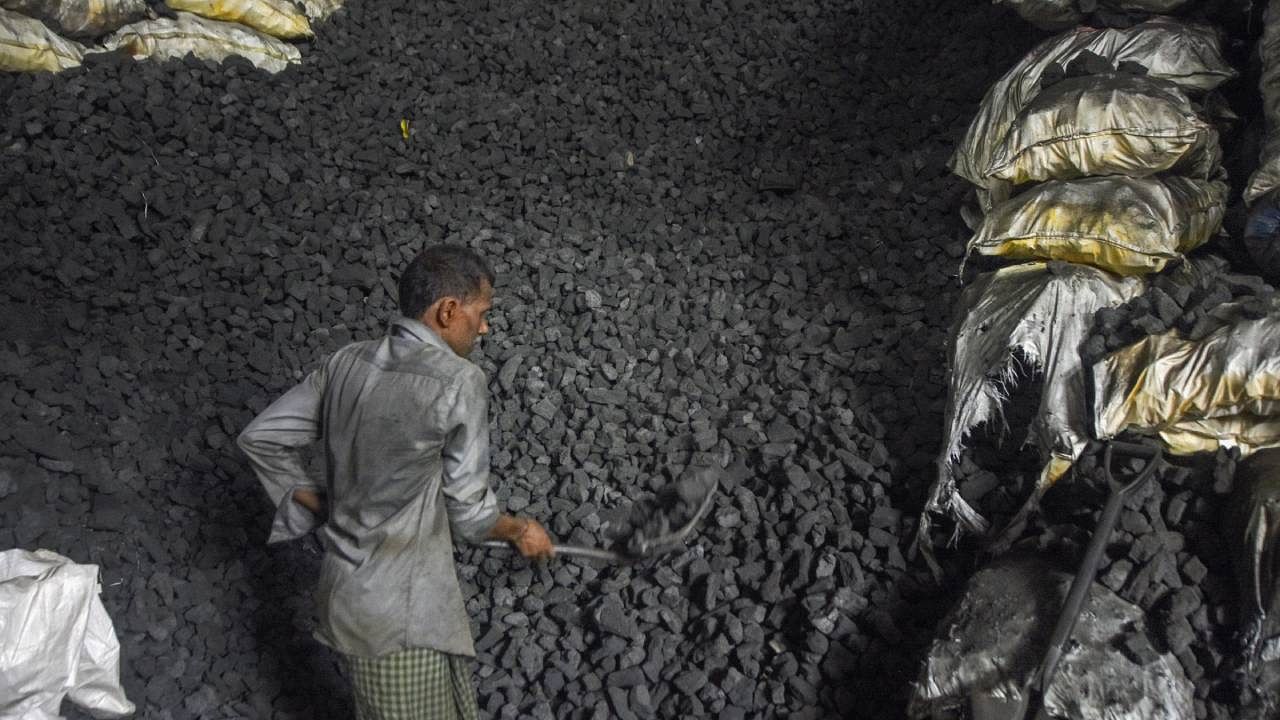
<point>446,311</point>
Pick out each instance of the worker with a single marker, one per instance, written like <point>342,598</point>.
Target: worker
<point>403,423</point>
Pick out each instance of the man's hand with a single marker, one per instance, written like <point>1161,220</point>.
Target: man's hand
<point>533,542</point>
<point>311,500</point>
<point>528,536</point>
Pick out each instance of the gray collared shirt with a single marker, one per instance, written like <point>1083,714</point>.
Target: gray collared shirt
<point>405,431</point>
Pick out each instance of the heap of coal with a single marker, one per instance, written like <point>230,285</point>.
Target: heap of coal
<point>1194,297</point>
<point>725,235</point>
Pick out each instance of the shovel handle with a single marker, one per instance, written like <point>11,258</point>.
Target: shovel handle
<point>1083,581</point>
<point>566,550</point>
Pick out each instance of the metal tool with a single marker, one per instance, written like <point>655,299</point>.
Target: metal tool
<point>1030,701</point>
<point>646,549</point>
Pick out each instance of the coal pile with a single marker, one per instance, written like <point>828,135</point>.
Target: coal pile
<point>1195,297</point>
<point>1086,64</point>
<point>725,235</point>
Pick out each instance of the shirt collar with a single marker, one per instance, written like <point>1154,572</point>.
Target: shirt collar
<point>407,327</point>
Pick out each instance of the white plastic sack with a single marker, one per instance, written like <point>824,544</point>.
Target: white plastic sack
<point>56,639</point>
<point>206,39</point>
<point>1198,396</point>
<point>1130,226</point>
<point>1042,314</point>
<point>28,45</point>
<point>1267,177</point>
<point>80,18</point>
<point>997,634</point>
<point>317,10</point>
<point>1161,7</point>
<point>277,18</point>
<point>1112,124</point>
<point>1047,14</point>
<point>1183,53</point>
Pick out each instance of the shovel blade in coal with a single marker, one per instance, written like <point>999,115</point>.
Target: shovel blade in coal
<point>695,490</point>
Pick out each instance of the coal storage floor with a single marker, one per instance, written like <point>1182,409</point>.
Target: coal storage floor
<point>724,232</point>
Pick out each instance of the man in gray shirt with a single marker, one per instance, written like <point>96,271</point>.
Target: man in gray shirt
<point>404,426</point>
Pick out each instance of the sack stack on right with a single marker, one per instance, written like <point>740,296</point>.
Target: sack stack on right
<point>1097,235</point>
<point>1095,167</point>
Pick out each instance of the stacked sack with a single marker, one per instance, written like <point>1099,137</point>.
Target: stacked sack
<point>53,35</point>
<point>1093,160</point>
<point>1262,235</point>
<point>1095,167</point>
<point>1098,171</point>
<point>1062,14</point>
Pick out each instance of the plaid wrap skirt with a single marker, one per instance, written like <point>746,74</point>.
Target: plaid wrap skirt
<point>415,684</point>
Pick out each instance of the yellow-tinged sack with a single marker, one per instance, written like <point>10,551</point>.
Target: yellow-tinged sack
<point>1029,318</point>
<point>278,18</point>
<point>1267,176</point>
<point>206,39</point>
<point>1130,226</point>
<point>1187,54</point>
<point>80,18</point>
<point>1047,14</point>
<point>317,10</point>
<point>1110,124</point>
<point>28,45</point>
<point>1150,6</point>
<point>1221,391</point>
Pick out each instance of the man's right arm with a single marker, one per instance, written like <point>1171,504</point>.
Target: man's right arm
<point>272,441</point>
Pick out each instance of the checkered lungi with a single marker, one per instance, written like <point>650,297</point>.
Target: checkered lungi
<point>415,684</point>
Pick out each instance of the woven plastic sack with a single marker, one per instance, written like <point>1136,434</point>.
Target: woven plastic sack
<point>56,639</point>
<point>1160,7</point>
<point>1047,14</point>
<point>1113,124</point>
<point>28,45</point>
<point>1183,53</point>
<point>206,39</point>
<point>1033,316</point>
<point>1198,396</point>
<point>1262,237</point>
<point>317,10</point>
<point>994,638</point>
<point>80,18</point>
<point>278,18</point>
<point>1267,177</point>
<point>1130,226</point>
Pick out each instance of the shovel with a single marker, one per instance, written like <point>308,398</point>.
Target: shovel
<point>1029,703</point>
<point>645,549</point>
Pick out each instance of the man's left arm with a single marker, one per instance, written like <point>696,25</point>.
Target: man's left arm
<point>272,442</point>
<point>471,504</point>
<point>469,500</point>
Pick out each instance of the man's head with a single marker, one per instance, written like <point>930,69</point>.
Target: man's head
<point>449,289</point>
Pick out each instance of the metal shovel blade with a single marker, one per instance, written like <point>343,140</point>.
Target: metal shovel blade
<point>645,549</point>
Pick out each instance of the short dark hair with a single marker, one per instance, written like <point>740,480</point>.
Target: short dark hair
<point>442,271</point>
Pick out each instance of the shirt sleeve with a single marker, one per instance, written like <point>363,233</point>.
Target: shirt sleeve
<point>470,502</point>
<point>272,442</point>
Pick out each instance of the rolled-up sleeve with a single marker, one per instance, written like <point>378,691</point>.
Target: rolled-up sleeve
<point>272,443</point>
<point>470,502</point>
